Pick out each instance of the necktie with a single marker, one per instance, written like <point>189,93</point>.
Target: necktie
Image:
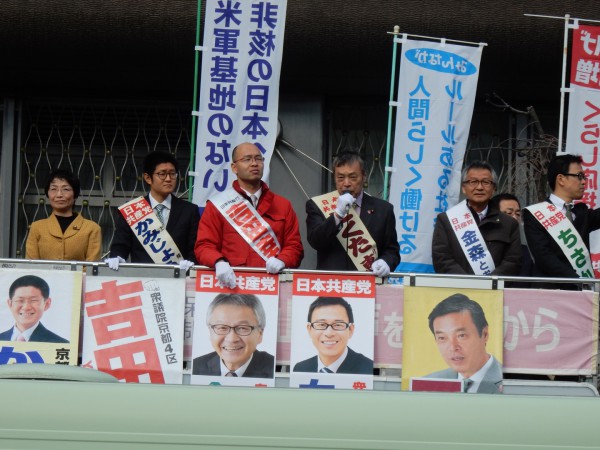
<point>21,338</point>
<point>159,213</point>
<point>326,370</point>
<point>468,383</point>
<point>231,374</point>
<point>568,212</point>
<point>356,208</point>
<point>254,199</point>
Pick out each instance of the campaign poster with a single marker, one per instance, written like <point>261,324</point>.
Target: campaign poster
<point>235,330</point>
<point>39,316</point>
<point>133,327</point>
<point>453,337</point>
<point>333,328</point>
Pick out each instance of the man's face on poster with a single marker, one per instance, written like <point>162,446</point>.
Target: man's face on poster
<point>27,306</point>
<point>235,350</point>
<point>330,343</point>
<point>459,342</point>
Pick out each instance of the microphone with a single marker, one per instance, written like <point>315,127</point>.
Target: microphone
<point>348,206</point>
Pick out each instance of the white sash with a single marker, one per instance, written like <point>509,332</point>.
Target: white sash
<point>246,221</point>
<point>564,233</point>
<point>354,236</point>
<point>146,227</point>
<point>470,239</point>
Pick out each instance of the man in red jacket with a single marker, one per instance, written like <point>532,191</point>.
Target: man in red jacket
<point>248,225</point>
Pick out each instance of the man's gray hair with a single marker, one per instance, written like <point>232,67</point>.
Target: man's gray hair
<point>248,300</point>
<point>479,165</point>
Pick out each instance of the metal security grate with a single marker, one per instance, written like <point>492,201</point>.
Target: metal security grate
<point>104,145</point>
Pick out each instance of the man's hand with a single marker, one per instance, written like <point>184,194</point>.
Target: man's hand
<point>225,274</point>
<point>344,203</point>
<point>184,265</point>
<point>380,268</point>
<point>113,263</point>
<point>275,265</point>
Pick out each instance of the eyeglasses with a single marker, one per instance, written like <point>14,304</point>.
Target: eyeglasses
<point>580,176</point>
<point>32,301</point>
<point>248,159</point>
<point>337,326</point>
<point>163,175</point>
<point>474,183</point>
<point>240,330</point>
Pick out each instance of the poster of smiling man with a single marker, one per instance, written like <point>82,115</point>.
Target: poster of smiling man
<point>235,330</point>
<point>453,340</point>
<point>333,319</point>
<point>39,322</point>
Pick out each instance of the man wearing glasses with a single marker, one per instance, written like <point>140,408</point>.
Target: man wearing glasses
<point>557,231</point>
<point>248,225</point>
<point>474,237</point>
<point>28,299</point>
<point>176,219</point>
<point>330,327</point>
<point>236,323</point>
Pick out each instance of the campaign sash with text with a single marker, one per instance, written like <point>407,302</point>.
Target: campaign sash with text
<point>565,235</point>
<point>354,236</point>
<point>246,221</point>
<point>146,227</point>
<point>436,93</point>
<point>470,239</point>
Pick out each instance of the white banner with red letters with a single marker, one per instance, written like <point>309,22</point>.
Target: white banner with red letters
<point>583,127</point>
<point>133,327</point>
<point>235,330</point>
<point>436,93</point>
<point>239,87</point>
<point>332,345</point>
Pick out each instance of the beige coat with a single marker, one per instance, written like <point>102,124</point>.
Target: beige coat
<point>82,240</point>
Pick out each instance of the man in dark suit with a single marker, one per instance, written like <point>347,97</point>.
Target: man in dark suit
<point>29,297</point>
<point>236,323</point>
<point>326,225</point>
<point>330,326</point>
<point>461,333</point>
<point>567,180</point>
<point>161,171</point>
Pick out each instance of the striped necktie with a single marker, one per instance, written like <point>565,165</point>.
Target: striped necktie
<point>159,213</point>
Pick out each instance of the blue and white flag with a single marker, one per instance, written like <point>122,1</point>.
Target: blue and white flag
<point>436,93</point>
<point>239,87</point>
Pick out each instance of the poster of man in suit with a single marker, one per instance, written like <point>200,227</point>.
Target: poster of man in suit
<point>332,331</point>
<point>450,335</point>
<point>235,330</point>
<point>40,322</point>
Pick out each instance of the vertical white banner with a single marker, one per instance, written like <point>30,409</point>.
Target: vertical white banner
<point>239,87</point>
<point>436,93</point>
<point>583,129</point>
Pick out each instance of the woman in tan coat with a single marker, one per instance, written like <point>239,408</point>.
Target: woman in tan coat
<point>64,235</point>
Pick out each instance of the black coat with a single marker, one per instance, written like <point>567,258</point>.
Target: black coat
<point>378,217</point>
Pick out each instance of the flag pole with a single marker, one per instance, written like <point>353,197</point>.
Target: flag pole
<point>390,113</point>
<point>195,99</point>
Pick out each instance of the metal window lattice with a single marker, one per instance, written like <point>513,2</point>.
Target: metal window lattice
<point>104,145</point>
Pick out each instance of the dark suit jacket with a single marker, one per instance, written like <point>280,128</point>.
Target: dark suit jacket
<point>549,259</point>
<point>182,226</point>
<point>491,383</point>
<point>40,334</point>
<point>378,217</point>
<point>355,363</point>
<point>500,233</point>
<point>261,366</point>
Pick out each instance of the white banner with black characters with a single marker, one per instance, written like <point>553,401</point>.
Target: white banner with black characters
<point>133,328</point>
<point>436,94</point>
<point>239,87</point>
